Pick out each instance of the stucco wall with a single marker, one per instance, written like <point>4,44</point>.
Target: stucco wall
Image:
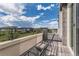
<point>64,13</point>
<point>18,46</point>
<point>60,25</point>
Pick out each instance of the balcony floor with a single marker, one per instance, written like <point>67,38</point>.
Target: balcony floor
<point>55,48</point>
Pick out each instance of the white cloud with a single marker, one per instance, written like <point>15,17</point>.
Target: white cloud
<point>40,25</point>
<point>52,5</point>
<point>36,25</point>
<point>41,14</point>
<point>8,19</point>
<point>14,13</point>
<point>45,21</point>
<point>11,8</point>
<point>30,19</point>
<point>40,7</point>
<point>8,24</point>
<point>53,24</point>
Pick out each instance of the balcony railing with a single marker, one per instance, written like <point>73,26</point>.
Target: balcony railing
<point>20,45</point>
<point>10,33</point>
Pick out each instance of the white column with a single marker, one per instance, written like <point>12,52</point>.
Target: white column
<point>69,25</point>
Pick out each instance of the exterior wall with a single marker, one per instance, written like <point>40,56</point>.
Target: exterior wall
<point>64,17</point>
<point>69,25</point>
<point>18,46</point>
<point>66,24</point>
<point>62,31</point>
<point>60,25</point>
<point>71,28</point>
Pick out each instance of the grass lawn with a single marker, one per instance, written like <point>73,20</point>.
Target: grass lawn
<point>5,35</point>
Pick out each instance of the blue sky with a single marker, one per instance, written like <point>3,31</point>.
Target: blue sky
<point>29,15</point>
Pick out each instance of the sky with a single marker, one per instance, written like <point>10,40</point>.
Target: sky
<point>35,15</point>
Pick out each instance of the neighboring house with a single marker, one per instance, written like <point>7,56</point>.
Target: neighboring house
<point>69,26</point>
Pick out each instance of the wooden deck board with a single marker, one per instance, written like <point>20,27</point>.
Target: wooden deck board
<point>58,49</point>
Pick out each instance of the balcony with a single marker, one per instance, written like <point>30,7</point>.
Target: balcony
<point>53,47</point>
<point>33,45</point>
